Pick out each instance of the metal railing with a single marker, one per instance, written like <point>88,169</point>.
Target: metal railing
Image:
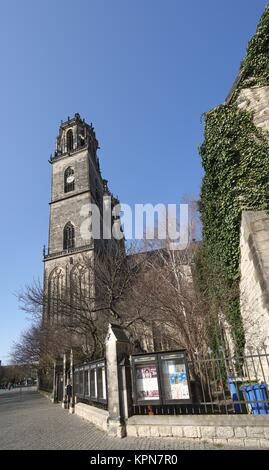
<point>68,251</point>
<point>45,383</point>
<point>90,385</point>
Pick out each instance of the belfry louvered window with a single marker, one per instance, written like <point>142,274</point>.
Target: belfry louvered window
<point>69,140</point>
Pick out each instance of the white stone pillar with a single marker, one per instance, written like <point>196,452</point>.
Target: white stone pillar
<point>117,349</point>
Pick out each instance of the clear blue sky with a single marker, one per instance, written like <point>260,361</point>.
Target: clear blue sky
<point>143,71</point>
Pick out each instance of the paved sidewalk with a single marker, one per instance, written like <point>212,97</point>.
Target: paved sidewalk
<point>30,421</point>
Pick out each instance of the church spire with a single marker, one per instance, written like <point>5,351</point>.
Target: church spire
<point>74,135</point>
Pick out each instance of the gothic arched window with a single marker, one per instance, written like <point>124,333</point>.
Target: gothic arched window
<point>55,292</point>
<point>69,236</point>
<point>69,140</point>
<point>79,287</point>
<point>69,180</point>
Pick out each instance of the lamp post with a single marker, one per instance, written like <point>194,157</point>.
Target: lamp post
<point>54,392</point>
<point>64,381</point>
<point>72,402</point>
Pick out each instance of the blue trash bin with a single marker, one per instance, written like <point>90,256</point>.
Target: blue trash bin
<point>261,393</point>
<point>254,393</point>
<point>248,396</point>
<point>236,394</point>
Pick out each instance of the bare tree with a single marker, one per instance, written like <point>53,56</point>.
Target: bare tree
<point>149,293</point>
<point>84,308</point>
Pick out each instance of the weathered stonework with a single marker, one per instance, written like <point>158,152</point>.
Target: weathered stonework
<point>94,415</point>
<point>255,431</point>
<point>254,242</point>
<point>254,284</point>
<point>256,99</point>
<point>191,431</point>
<point>66,206</point>
<point>165,431</point>
<point>243,431</point>
<point>225,432</point>
<point>240,432</point>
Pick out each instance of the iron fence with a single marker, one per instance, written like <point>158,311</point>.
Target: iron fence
<point>90,385</point>
<point>222,384</point>
<point>173,383</point>
<point>45,382</point>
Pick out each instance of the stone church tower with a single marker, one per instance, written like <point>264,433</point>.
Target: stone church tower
<point>76,182</point>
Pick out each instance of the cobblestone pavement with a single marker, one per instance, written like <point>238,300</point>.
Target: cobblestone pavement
<point>30,421</point>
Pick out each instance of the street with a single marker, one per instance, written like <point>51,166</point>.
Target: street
<point>30,421</point>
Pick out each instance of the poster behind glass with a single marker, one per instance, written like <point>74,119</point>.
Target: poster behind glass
<point>147,382</point>
<point>175,380</point>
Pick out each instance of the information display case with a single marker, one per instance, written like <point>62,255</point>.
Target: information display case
<point>160,378</point>
<point>174,378</point>
<point>146,385</point>
<point>90,381</point>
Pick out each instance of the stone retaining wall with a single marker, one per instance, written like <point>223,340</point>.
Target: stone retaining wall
<point>238,431</point>
<point>46,394</point>
<point>96,416</point>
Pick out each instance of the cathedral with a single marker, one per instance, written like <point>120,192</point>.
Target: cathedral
<point>76,182</point>
<point>85,283</point>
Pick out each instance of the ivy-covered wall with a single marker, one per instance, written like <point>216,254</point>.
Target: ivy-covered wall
<point>235,157</point>
<point>254,69</point>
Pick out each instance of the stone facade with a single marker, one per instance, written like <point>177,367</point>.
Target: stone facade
<point>254,284</point>
<point>254,242</point>
<point>67,210</point>
<point>256,99</point>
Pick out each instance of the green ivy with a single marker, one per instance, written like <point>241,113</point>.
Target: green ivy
<point>235,157</point>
